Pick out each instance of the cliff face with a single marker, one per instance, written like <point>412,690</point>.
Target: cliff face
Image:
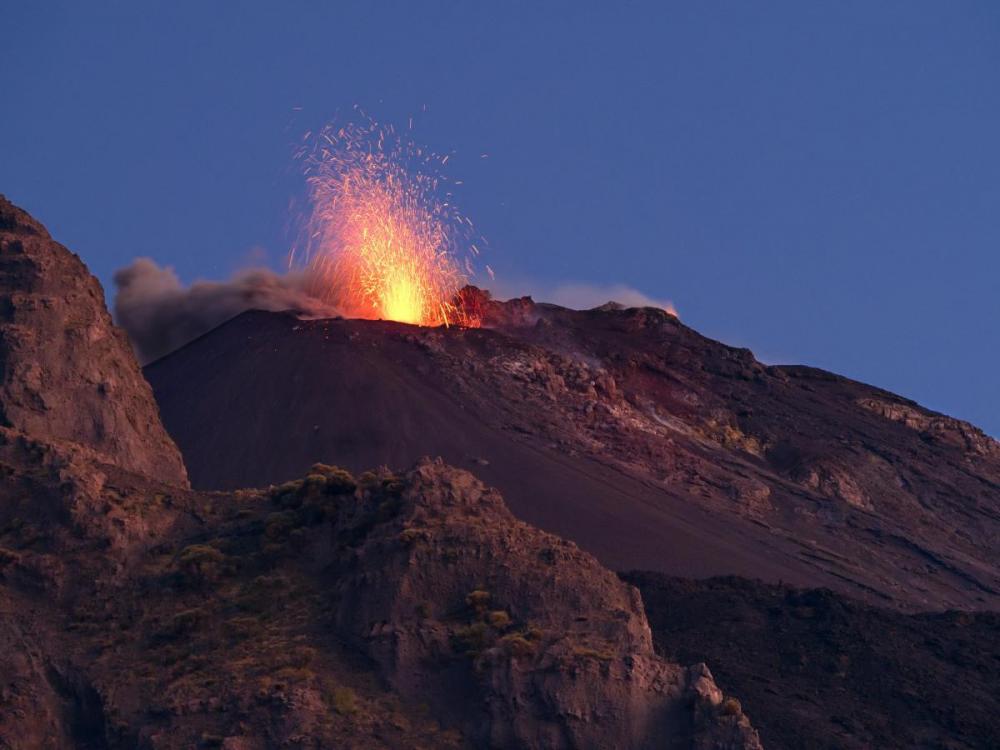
<point>66,372</point>
<point>383,611</point>
<point>515,635</point>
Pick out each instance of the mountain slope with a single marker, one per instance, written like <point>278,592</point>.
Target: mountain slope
<point>389,610</point>
<point>821,672</point>
<point>648,444</point>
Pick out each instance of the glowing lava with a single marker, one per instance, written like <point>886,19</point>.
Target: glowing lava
<point>384,240</point>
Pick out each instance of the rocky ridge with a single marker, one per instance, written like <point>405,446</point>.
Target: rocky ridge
<point>67,371</point>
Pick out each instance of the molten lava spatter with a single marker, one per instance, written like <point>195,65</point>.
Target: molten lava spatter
<point>385,240</point>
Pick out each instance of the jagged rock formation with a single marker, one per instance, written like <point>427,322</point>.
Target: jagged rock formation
<point>66,372</point>
<point>379,612</point>
<point>254,619</point>
<point>623,430</point>
<point>542,647</point>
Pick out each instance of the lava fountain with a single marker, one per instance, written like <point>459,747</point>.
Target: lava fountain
<point>384,238</point>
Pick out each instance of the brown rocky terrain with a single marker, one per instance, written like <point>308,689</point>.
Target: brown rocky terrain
<point>383,610</point>
<point>65,370</point>
<point>623,430</point>
<point>818,671</point>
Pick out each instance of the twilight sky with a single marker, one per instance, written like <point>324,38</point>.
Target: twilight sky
<point>819,181</point>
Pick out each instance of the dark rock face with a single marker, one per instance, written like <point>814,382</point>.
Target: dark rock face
<point>66,372</point>
<point>818,671</point>
<point>544,648</point>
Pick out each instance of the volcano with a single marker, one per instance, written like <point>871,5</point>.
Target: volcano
<point>648,444</point>
<point>394,600</point>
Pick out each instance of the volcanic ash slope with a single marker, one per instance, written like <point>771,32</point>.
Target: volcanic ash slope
<point>646,443</point>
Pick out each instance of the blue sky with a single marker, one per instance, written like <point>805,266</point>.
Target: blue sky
<point>819,181</point>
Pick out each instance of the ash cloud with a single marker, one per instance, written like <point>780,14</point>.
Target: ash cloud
<point>160,314</point>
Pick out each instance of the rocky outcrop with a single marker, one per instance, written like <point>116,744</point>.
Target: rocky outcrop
<point>140,616</point>
<point>31,711</point>
<point>954,432</point>
<point>66,372</point>
<point>517,636</point>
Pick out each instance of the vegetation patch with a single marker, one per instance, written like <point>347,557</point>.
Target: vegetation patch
<point>410,536</point>
<point>493,629</point>
<point>201,563</point>
<point>585,652</point>
<point>344,701</point>
<point>518,645</point>
<point>731,707</point>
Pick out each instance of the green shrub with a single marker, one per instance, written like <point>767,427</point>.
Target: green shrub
<point>368,480</point>
<point>279,525</point>
<point>731,707</point>
<point>201,562</point>
<point>287,494</point>
<point>321,481</point>
<point>517,645</point>
<point>590,653</point>
<point>344,701</point>
<point>472,639</point>
<point>498,619</point>
<point>533,633</point>
<point>336,481</point>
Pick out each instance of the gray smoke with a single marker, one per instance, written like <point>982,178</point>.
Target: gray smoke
<point>160,314</point>
<point>580,295</point>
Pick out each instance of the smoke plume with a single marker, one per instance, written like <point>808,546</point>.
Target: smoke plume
<point>581,295</point>
<point>160,314</point>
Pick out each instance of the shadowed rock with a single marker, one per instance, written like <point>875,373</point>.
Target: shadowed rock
<point>819,671</point>
<point>517,636</point>
<point>66,372</point>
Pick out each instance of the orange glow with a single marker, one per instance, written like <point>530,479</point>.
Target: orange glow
<point>384,238</point>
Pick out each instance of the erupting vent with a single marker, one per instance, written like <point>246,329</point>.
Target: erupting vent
<point>384,240</point>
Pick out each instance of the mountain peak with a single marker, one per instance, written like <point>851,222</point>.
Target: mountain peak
<point>15,220</point>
